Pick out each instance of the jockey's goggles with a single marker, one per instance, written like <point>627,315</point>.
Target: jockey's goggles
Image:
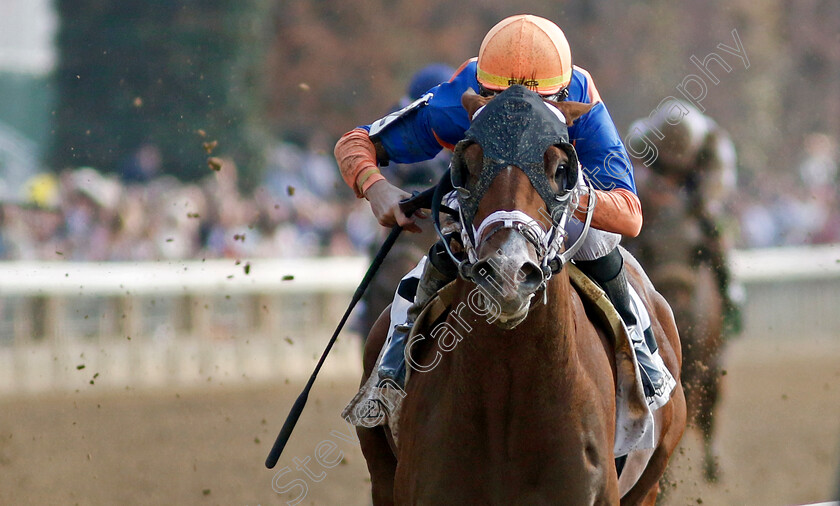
<point>560,96</point>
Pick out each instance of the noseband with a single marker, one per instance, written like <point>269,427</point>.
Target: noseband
<point>515,129</point>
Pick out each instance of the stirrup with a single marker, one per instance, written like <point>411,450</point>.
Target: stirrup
<point>392,366</point>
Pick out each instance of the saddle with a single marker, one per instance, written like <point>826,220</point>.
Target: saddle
<point>374,405</point>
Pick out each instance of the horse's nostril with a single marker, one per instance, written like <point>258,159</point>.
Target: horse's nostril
<point>530,276</point>
<point>526,270</point>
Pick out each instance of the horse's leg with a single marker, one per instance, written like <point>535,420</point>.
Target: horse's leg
<point>707,404</point>
<point>679,291</point>
<point>381,462</point>
<point>705,362</point>
<point>700,396</point>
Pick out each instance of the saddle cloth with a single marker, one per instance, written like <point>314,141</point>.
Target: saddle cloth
<point>375,404</point>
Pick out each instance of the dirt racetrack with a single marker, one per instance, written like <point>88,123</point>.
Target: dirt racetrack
<point>779,439</point>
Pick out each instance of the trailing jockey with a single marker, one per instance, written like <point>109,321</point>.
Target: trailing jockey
<point>681,144</point>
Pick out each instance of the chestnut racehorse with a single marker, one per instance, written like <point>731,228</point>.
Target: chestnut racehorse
<point>520,407</point>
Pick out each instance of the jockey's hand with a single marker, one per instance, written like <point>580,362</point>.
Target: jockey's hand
<point>385,200</point>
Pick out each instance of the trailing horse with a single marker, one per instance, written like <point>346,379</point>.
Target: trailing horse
<point>512,396</point>
<point>687,187</point>
<point>686,275</point>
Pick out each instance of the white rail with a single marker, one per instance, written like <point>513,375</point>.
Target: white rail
<point>790,292</point>
<point>176,323</point>
<point>332,275</point>
<point>787,264</point>
<point>136,325</point>
<point>263,276</point>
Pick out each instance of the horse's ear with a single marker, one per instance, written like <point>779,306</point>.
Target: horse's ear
<point>571,110</point>
<point>472,101</point>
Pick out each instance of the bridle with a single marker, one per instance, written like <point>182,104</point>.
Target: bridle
<point>515,129</point>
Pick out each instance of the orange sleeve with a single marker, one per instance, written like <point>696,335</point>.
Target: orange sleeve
<point>618,211</point>
<point>356,157</point>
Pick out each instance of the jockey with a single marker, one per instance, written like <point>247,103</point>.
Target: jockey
<point>681,144</point>
<point>532,51</point>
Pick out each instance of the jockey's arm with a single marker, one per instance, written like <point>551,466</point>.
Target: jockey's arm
<point>407,139</point>
<point>414,134</point>
<point>606,163</point>
<point>618,211</point>
<point>356,155</point>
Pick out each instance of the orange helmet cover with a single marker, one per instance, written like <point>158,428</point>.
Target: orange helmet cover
<point>527,50</point>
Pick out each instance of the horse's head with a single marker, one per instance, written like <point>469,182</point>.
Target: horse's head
<point>516,175</point>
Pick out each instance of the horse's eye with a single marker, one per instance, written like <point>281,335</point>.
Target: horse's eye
<point>556,165</point>
<point>561,174</point>
<point>561,171</point>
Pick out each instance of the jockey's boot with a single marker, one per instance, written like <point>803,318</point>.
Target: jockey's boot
<point>608,271</point>
<point>392,366</point>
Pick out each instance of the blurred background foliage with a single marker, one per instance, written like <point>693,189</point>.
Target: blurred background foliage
<point>251,72</point>
<point>160,72</point>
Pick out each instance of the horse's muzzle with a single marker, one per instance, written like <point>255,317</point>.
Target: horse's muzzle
<point>509,273</point>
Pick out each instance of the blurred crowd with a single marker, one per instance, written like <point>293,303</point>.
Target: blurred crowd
<point>790,208</point>
<point>303,209</point>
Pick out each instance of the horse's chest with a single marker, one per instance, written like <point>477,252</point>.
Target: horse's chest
<point>557,459</point>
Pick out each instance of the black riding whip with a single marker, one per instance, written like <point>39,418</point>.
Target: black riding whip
<point>408,206</point>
